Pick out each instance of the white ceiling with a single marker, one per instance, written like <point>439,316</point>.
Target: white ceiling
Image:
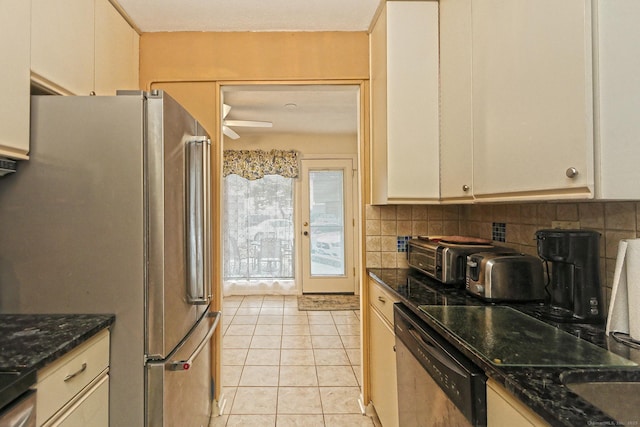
<point>320,109</point>
<point>294,109</point>
<point>250,15</point>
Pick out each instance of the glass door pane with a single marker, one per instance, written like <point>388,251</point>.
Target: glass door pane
<point>326,225</point>
<point>258,228</point>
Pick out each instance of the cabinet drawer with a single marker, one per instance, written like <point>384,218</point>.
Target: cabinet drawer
<point>91,409</point>
<point>382,300</point>
<point>63,379</point>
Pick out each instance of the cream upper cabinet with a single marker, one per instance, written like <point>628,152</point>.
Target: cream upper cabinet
<point>116,54</point>
<point>556,92</point>
<point>80,46</point>
<point>404,104</point>
<point>617,58</point>
<point>532,99</point>
<point>62,45</point>
<point>456,118</point>
<point>15,38</point>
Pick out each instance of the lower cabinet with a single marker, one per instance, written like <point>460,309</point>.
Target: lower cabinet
<point>382,356</point>
<point>73,391</point>
<point>505,409</point>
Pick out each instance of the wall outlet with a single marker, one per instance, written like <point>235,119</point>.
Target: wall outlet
<point>566,225</point>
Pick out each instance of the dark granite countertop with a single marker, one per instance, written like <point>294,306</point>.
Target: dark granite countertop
<point>540,388</point>
<point>29,342</point>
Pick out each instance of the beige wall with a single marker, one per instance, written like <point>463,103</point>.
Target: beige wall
<point>189,65</point>
<point>614,220</point>
<point>198,56</point>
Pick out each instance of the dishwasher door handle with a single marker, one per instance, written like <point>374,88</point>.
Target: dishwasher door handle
<point>433,350</point>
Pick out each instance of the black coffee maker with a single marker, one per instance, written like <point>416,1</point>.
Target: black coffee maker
<point>574,284</point>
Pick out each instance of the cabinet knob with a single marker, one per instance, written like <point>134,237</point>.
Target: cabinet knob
<point>465,188</point>
<point>572,172</point>
<point>382,300</point>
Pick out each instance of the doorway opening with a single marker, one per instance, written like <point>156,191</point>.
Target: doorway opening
<point>263,242</point>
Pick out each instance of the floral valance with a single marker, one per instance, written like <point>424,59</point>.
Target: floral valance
<point>255,164</point>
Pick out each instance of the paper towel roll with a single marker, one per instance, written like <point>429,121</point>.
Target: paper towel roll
<point>633,287</point>
<point>624,307</point>
<point>618,316</point>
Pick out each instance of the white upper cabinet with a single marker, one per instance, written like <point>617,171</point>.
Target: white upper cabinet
<point>15,35</point>
<point>532,99</point>
<point>456,118</point>
<point>62,44</point>
<point>617,59</point>
<point>556,95</point>
<point>79,47</point>
<point>116,54</point>
<point>404,104</point>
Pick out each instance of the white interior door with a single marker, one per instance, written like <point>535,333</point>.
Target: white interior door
<point>327,226</point>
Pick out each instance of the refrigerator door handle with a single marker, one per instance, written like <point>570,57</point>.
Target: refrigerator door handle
<point>198,221</point>
<point>184,365</point>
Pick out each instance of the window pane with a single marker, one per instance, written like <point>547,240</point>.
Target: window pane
<point>326,207</point>
<point>258,228</point>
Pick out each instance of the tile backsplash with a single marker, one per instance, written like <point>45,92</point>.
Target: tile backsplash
<point>516,223</point>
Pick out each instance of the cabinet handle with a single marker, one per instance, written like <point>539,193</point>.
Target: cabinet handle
<point>76,373</point>
<point>382,300</point>
<point>465,188</point>
<point>572,172</point>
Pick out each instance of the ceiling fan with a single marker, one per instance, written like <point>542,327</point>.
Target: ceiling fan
<point>226,124</point>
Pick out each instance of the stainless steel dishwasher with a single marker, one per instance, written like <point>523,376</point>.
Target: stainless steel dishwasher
<point>21,412</point>
<point>437,385</point>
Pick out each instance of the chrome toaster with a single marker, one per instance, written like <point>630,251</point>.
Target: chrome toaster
<point>505,276</point>
<point>441,260</point>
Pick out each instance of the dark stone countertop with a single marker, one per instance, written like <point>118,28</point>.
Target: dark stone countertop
<point>540,388</point>
<point>29,342</point>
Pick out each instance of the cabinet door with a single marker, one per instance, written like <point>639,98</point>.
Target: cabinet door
<point>384,394</point>
<point>62,44</point>
<point>456,126</point>
<point>14,84</point>
<point>116,54</point>
<point>532,98</point>
<point>503,409</point>
<point>618,97</point>
<point>404,98</point>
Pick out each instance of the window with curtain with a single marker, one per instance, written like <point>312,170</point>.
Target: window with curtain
<point>258,223</point>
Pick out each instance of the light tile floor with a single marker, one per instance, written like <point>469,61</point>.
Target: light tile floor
<point>284,367</point>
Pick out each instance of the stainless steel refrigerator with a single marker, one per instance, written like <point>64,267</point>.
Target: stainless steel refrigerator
<point>111,214</point>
